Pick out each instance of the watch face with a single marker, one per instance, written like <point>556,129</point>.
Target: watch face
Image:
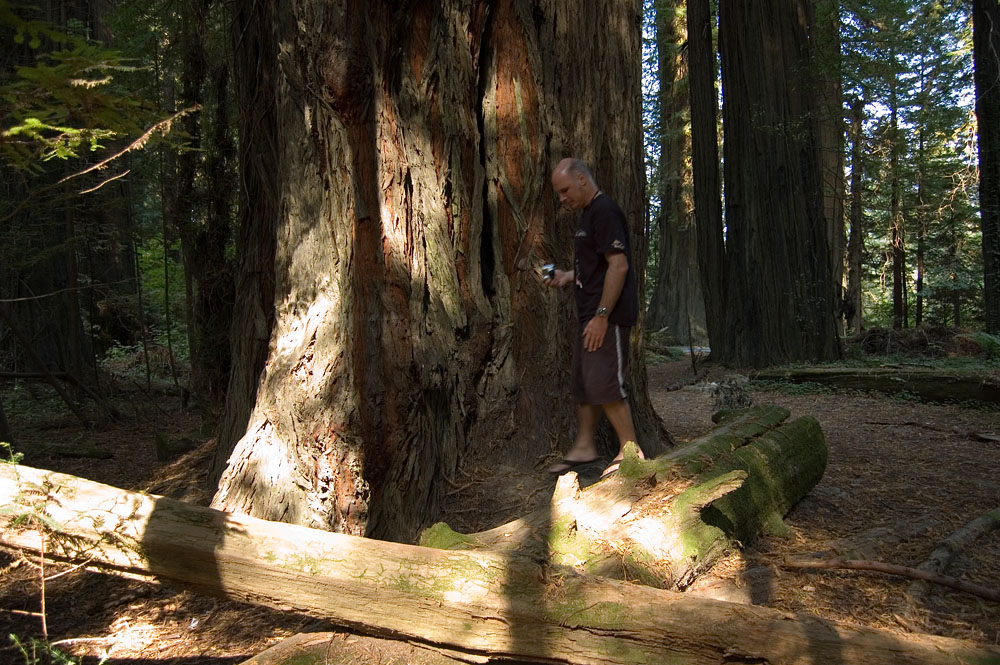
<point>602,311</point>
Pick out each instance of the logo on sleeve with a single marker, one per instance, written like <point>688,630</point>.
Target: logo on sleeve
<point>618,244</point>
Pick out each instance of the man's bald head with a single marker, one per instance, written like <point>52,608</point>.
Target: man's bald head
<point>574,183</point>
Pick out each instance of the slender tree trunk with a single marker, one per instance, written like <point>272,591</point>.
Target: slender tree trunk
<point>781,288</point>
<point>855,248</point>
<point>986,50</point>
<point>897,248</point>
<point>412,151</point>
<point>214,300</point>
<point>676,303</point>
<point>72,324</point>
<point>6,435</point>
<point>705,166</point>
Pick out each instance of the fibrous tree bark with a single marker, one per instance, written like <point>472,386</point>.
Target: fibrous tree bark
<point>986,51</point>
<point>781,291</point>
<point>410,152</point>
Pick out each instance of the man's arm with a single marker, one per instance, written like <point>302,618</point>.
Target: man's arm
<point>614,281</point>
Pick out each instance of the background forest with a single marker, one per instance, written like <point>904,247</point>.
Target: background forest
<point>121,186</point>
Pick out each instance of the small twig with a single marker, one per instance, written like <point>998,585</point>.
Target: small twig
<point>894,569</point>
<point>70,570</point>
<point>458,488</point>
<point>77,640</point>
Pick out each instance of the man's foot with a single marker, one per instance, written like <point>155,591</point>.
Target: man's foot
<point>611,469</point>
<point>565,465</point>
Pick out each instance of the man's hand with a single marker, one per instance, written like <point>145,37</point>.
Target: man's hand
<point>562,278</point>
<point>594,332</point>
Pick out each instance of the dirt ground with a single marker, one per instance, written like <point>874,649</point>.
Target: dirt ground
<point>902,476</point>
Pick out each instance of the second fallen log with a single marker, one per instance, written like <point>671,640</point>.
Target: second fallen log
<point>667,520</point>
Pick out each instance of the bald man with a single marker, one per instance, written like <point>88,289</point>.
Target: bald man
<point>607,308</point>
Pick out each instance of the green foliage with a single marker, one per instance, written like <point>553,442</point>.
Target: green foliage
<point>7,454</point>
<point>910,63</point>
<point>64,103</point>
<point>989,343</point>
<point>40,652</point>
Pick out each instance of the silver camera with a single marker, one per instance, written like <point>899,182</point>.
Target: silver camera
<point>549,271</point>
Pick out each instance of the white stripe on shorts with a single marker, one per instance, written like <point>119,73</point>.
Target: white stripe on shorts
<point>621,364</point>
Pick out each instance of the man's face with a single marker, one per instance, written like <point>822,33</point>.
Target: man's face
<point>570,189</point>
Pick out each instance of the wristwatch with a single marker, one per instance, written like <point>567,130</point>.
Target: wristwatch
<point>603,312</point>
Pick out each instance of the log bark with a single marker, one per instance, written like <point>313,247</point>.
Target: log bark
<point>667,520</point>
<point>943,385</point>
<point>481,603</point>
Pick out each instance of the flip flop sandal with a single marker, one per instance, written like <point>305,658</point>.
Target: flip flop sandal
<point>567,465</point>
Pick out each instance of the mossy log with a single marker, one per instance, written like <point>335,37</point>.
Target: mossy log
<point>665,521</point>
<point>936,385</point>
<point>481,604</point>
<point>494,604</point>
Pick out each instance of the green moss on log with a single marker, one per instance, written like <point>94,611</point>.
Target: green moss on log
<point>780,473</point>
<point>442,537</point>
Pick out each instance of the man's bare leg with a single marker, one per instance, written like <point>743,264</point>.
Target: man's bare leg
<point>620,416</point>
<point>584,447</point>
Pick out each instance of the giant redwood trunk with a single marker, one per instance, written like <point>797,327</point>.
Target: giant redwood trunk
<point>986,49</point>
<point>780,279</point>
<point>411,148</point>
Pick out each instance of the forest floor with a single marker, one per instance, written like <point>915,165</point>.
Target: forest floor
<point>902,476</point>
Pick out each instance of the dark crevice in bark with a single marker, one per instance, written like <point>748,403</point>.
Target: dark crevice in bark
<point>487,260</point>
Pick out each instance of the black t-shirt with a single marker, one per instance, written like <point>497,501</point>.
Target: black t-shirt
<point>602,231</point>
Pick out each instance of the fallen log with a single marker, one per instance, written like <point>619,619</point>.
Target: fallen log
<point>495,604</point>
<point>930,384</point>
<point>666,521</point>
<point>955,544</point>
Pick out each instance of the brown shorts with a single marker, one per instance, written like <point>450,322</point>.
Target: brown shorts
<point>599,377</point>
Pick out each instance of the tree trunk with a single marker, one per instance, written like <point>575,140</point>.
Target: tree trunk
<point>255,89</point>
<point>986,51</point>
<point>855,248</point>
<point>705,166</point>
<point>412,157</point>
<point>781,291</point>
<point>897,248</point>
<point>825,57</point>
<point>676,303</point>
<point>201,212</point>
<point>485,604</point>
